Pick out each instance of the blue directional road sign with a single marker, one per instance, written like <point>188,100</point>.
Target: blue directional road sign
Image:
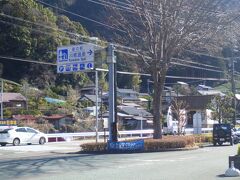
<point>75,58</point>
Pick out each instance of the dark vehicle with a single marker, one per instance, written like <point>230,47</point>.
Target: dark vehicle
<point>223,133</point>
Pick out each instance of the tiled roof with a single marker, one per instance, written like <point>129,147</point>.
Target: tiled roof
<point>24,117</point>
<point>54,117</point>
<point>91,98</point>
<point>134,111</point>
<point>210,92</point>
<point>196,102</point>
<point>127,91</point>
<point>7,97</point>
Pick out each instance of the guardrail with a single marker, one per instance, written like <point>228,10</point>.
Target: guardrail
<point>145,132</point>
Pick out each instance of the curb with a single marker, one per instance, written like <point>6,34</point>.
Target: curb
<point>129,152</point>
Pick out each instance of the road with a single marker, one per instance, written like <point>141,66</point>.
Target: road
<point>53,162</point>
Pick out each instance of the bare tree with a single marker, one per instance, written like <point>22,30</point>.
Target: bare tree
<point>178,110</point>
<point>159,30</point>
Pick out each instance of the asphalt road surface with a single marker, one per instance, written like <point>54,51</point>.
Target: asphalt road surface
<point>58,161</point>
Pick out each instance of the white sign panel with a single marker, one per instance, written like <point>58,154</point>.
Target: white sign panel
<point>75,58</point>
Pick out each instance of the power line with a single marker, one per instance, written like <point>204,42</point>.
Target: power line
<point>132,54</point>
<point>192,62</point>
<point>206,69</point>
<point>110,4</point>
<point>203,54</point>
<point>129,8</point>
<point>83,17</point>
<point>52,28</point>
<point>129,48</point>
<point>120,72</point>
<point>34,29</point>
<point>121,46</point>
<point>27,60</point>
<point>175,63</point>
<point>173,77</point>
<point>116,50</point>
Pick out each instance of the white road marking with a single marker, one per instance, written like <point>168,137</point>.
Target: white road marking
<point>33,148</point>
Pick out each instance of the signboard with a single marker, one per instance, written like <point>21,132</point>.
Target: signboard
<point>75,58</point>
<point>131,146</point>
<point>8,122</point>
<point>5,124</point>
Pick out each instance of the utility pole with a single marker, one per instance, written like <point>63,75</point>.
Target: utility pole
<point>96,92</point>
<point>112,121</point>
<point>233,91</point>
<point>148,88</point>
<point>1,98</point>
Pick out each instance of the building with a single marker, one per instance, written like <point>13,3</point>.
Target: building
<point>127,95</point>
<point>14,101</point>
<point>197,104</point>
<point>59,120</point>
<point>24,118</point>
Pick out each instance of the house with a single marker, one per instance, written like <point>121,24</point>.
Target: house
<point>125,121</point>
<point>91,98</point>
<point>127,95</point>
<point>204,88</point>
<point>14,101</point>
<point>88,89</point>
<point>138,118</point>
<point>59,120</point>
<point>197,104</point>
<point>91,110</point>
<point>25,118</point>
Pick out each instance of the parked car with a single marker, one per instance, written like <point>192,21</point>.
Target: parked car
<point>22,135</point>
<point>236,132</point>
<point>223,133</point>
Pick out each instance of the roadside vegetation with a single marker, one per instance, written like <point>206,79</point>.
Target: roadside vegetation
<point>167,143</point>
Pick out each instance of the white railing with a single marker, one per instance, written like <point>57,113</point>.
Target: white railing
<point>147,132</point>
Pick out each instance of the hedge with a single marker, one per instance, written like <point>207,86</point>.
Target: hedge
<point>169,142</point>
<point>203,138</point>
<point>150,145</point>
<point>94,147</point>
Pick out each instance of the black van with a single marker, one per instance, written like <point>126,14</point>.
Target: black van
<point>222,133</point>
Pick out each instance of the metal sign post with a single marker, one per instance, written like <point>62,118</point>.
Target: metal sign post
<point>96,92</point>
<point>2,99</point>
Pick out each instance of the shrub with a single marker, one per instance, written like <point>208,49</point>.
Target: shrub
<point>203,138</point>
<point>94,147</point>
<point>171,142</point>
<point>168,143</point>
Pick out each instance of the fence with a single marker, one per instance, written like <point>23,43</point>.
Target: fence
<point>148,132</point>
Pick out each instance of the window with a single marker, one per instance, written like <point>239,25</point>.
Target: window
<point>21,130</point>
<point>31,130</point>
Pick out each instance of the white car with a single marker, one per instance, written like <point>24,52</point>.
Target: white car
<point>22,135</point>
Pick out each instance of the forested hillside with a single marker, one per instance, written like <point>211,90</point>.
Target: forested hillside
<point>96,11</point>
<point>31,30</point>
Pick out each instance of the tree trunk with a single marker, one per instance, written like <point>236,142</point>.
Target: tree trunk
<point>157,104</point>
